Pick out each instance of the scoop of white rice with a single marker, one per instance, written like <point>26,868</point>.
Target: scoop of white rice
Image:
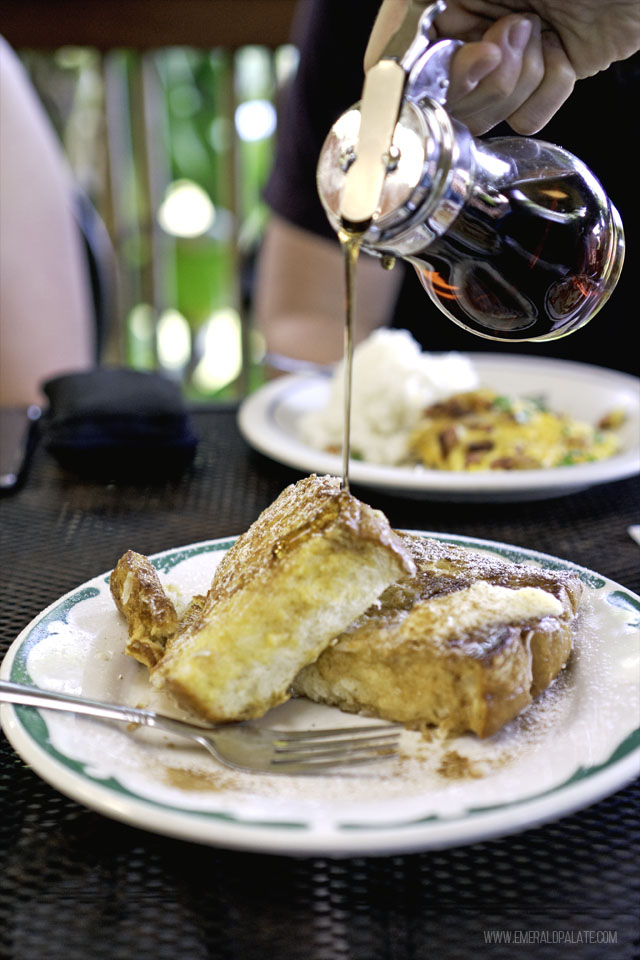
<point>393,381</point>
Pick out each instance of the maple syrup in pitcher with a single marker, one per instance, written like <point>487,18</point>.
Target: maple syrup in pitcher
<point>512,238</point>
<point>531,269</point>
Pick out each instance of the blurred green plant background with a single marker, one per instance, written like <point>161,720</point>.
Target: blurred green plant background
<point>173,148</point>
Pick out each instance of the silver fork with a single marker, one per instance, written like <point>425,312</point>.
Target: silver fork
<point>242,746</point>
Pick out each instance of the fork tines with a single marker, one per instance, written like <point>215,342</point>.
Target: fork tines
<point>286,736</point>
<point>319,749</point>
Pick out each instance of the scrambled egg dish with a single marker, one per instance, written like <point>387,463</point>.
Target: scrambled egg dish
<point>481,430</point>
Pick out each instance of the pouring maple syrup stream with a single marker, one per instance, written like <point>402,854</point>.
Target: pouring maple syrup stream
<point>350,243</point>
<point>359,202</point>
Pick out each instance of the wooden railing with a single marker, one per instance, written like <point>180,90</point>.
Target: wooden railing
<point>144,24</point>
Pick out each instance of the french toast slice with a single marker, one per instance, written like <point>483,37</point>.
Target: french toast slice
<point>464,644</point>
<point>312,562</point>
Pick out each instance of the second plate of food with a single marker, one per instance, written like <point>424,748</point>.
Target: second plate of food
<point>270,420</point>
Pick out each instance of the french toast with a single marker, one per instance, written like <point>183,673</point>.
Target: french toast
<point>464,644</point>
<point>312,562</point>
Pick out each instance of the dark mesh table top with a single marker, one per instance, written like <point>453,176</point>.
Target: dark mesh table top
<point>74,884</point>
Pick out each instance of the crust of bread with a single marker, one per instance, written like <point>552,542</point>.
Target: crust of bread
<point>139,596</point>
<point>465,644</point>
<point>312,562</point>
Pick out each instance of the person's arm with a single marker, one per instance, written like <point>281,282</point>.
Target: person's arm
<point>299,294</point>
<point>46,323</point>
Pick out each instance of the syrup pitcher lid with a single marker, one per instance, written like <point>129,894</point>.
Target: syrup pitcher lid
<point>415,161</point>
<point>382,157</point>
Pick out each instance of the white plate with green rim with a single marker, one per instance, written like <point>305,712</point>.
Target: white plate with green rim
<point>269,421</point>
<point>578,743</point>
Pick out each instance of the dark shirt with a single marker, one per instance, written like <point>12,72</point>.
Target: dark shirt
<point>599,124</point>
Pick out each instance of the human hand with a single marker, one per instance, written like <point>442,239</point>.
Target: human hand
<point>521,59</point>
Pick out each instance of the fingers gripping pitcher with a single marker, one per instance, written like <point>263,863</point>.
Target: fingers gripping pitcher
<point>513,238</point>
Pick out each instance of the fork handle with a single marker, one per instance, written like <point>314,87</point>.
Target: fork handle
<point>34,697</point>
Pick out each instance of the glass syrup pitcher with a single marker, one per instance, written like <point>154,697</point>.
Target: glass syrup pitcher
<point>513,238</point>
